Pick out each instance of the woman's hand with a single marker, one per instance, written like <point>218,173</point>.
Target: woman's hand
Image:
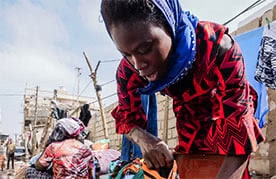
<point>155,152</point>
<point>39,166</point>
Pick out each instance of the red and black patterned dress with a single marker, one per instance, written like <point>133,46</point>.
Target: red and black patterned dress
<point>214,104</point>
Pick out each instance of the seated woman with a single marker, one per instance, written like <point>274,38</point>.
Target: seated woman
<point>66,152</point>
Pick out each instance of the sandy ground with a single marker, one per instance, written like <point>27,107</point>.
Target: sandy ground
<point>9,174</point>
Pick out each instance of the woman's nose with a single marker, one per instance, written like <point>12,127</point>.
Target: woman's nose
<point>139,63</point>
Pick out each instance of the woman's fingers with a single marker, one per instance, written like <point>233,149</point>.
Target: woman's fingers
<point>148,163</point>
<point>155,152</point>
<point>161,160</point>
<point>155,159</point>
<point>158,156</point>
<point>166,154</point>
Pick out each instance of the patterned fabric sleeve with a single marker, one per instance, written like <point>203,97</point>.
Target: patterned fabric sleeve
<point>129,112</point>
<point>233,88</point>
<point>87,159</point>
<point>237,132</point>
<point>47,156</point>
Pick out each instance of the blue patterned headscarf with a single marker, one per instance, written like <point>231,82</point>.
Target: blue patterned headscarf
<point>183,25</point>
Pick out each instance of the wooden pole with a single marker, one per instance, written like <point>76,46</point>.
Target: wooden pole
<point>78,83</point>
<point>166,119</point>
<point>93,76</point>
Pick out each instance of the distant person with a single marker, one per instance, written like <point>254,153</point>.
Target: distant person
<point>10,153</point>
<point>2,157</point>
<point>66,151</point>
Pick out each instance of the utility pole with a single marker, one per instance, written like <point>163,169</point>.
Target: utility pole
<point>78,82</point>
<point>97,88</point>
<point>166,119</point>
<point>34,140</point>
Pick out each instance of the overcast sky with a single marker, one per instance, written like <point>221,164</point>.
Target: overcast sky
<point>41,44</point>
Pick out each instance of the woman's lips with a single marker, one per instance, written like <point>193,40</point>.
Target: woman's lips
<point>152,77</point>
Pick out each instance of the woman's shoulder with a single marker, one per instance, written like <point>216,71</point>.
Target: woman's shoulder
<point>212,40</point>
<point>210,31</point>
<point>75,143</point>
<point>225,44</point>
<point>216,33</point>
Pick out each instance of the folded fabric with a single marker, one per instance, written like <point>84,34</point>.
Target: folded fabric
<point>104,157</point>
<point>101,144</point>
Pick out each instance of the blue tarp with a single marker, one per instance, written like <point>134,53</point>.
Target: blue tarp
<point>250,44</point>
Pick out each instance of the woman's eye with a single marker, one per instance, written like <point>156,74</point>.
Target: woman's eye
<point>144,50</point>
<point>126,56</point>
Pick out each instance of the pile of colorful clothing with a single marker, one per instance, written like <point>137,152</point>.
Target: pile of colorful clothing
<point>137,169</point>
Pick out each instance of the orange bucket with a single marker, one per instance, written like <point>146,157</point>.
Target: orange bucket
<point>198,166</point>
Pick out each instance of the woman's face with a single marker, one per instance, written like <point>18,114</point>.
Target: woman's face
<point>146,46</point>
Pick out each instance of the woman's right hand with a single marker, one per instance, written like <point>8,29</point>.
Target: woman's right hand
<point>155,152</point>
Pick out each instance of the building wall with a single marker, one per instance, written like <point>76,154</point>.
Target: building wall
<point>95,126</point>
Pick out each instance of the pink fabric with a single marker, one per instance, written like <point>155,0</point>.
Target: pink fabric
<point>104,158</point>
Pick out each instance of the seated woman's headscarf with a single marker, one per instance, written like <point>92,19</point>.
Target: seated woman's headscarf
<point>67,128</point>
<point>72,126</point>
<point>183,25</point>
